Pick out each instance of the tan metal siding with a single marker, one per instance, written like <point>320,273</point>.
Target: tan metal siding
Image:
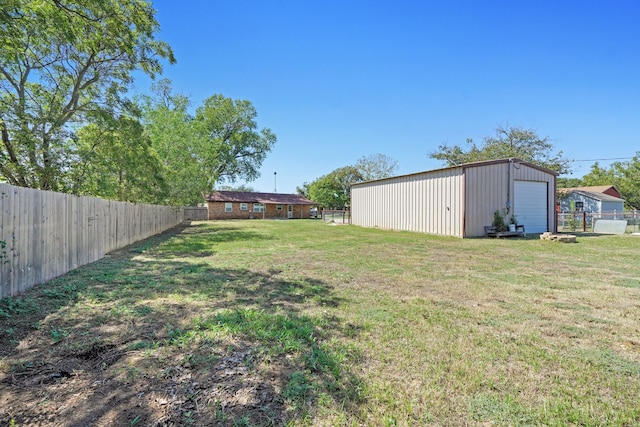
<point>485,191</point>
<point>526,173</point>
<point>429,202</point>
<point>457,201</point>
<point>489,187</point>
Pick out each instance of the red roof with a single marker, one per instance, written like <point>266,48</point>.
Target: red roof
<point>605,189</point>
<point>251,197</point>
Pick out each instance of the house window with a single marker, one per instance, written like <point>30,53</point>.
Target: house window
<point>228,207</point>
<point>243,206</point>
<point>258,207</point>
<point>579,206</point>
<point>279,207</point>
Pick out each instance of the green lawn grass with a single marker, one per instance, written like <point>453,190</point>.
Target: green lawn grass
<point>360,326</point>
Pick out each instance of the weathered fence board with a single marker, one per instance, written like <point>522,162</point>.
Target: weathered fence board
<point>48,234</point>
<point>196,213</point>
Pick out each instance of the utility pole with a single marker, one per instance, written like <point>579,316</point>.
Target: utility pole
<point>275,186</point>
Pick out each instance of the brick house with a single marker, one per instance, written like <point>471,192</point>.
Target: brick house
<point>250,205</point>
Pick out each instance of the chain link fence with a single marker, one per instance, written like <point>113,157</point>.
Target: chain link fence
<point>585,221</point>
<point>336,216</point>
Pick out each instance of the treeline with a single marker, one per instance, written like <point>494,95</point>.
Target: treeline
<point>333,190</point>
<point>526,144</point>
<point>68,123</point>
<point>625,175</point>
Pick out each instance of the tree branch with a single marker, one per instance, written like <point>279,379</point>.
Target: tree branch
<point>20,180</point>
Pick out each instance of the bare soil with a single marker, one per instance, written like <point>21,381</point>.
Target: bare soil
<point>92,388</point>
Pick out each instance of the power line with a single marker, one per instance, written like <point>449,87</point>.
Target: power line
<point>599,160</point>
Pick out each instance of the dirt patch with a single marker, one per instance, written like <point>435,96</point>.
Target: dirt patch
<point>105,386</point>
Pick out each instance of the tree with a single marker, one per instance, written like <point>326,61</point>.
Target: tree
<point>221,143</point>
<point>624,175</point>
<point>508,142</point>
<point>117,162</point>
<point>177,143</point>
<point>235,148</point>
<point>627,180</point>
<point>598,176</point>
<point>376,166</point>
<point>568,182</point>
<point>303,190</point>
<point>63,63</point>
<point>242,188</point>
<point>334,189</point>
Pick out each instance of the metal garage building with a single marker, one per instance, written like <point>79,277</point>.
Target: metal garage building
<point>458,201</point>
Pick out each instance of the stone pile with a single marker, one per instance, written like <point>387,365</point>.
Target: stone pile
<point>564,238</point>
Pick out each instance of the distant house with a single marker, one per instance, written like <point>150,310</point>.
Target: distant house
<point>251,205</point>
<point>604,189</point>
<point>598,199</point>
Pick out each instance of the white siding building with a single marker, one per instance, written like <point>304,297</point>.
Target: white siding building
<point>458,201</point>
<point>587,201</point>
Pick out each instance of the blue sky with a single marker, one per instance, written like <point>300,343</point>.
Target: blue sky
<point>339,80</point>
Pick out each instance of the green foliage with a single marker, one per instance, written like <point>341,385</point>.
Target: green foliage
<point>3,251</point>
<point>625,175</point>
<point>118,162</point>
<point>572,223</point>
<point>236,148</point>
<point>174,139</point>
<point>568,182</point>
<point>334,189</point>
<point>610,361</point>
<point>297,390</point>
<point>221,143</point>
<point>376,166</point>
<point>63,64</point>
<point>285,334</point>
<point>242,188</point>
<point>499,410</point>
<point>508,142</point>
<point>15,306</point>
<point>58,334</point>
<point>598,176</point>
<point>499,221</point>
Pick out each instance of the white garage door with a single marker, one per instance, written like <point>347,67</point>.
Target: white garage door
<point>530,205</point>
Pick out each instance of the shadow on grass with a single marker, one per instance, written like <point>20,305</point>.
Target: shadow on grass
<point>200,240</point>
<point>157,340</point>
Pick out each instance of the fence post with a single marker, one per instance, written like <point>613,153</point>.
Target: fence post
<point>584,221</point>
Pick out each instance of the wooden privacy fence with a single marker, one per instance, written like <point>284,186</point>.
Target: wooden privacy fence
<point>196,213</point>
<point>47,234</point>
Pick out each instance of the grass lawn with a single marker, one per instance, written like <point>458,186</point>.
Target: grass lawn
<point>300,322</point>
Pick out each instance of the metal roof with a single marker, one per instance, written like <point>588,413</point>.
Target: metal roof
<point>592,189</point>
<point>469,165</point>
<point>265,198</point>
<point>596,196</point>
